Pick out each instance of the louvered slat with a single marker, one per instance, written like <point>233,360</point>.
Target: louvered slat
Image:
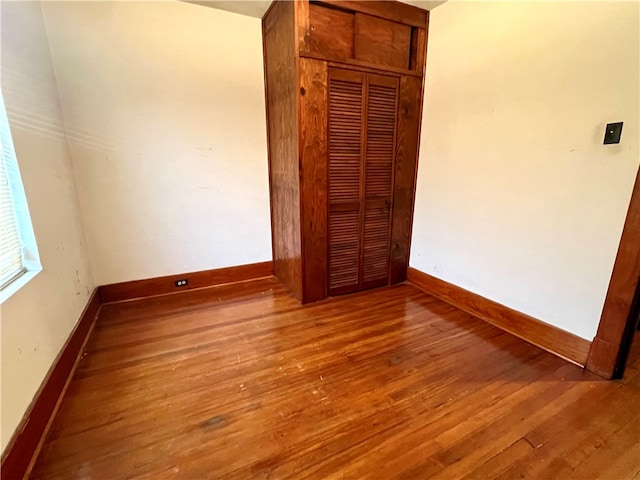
<point>344,235</point>
<point>345,164</point>
<point>381,122</point>
<point>345,137</point>
<point>376,244</point>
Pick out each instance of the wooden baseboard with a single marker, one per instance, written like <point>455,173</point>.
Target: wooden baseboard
<point>18,456</point>
<point>162,285</point>
<point>550,338</point>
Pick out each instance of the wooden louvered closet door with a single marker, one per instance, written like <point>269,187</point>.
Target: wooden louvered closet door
<point>361,141</point>
<point>345,135</point>
<point>379,154</point>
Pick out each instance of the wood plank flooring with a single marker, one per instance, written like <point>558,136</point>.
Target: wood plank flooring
<point>241,382</point>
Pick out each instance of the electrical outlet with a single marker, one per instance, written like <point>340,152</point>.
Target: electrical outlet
<point>181,283</point>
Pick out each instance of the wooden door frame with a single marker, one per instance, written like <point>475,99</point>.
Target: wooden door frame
<point>628,335</point>
<point>607,350</point>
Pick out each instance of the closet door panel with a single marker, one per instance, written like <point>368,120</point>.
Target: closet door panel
<point>382,94</point>
<point>345,147</point>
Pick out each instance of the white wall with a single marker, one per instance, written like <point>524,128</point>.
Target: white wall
<point>517,198</point>
<point>37,319</point>
<point>164,109</point>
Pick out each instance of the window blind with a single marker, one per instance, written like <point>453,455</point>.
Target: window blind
<point>12,263</point>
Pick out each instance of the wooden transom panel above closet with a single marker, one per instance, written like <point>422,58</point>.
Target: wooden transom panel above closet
<point>340,34</point>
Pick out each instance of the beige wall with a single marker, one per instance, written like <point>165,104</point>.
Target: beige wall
<point>164,109</point>
<point>517,198</point>
<point>37,319</point>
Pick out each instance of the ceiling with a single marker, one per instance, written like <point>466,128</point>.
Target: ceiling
<point>256,8</point>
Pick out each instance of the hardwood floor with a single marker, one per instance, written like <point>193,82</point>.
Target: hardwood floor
<point>241,382</point>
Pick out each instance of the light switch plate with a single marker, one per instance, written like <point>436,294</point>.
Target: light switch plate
<point>612,133</point>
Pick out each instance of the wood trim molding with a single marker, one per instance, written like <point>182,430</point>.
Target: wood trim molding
<point>362,65</point>
<point>549,338</point>
<point>25,444</point>
<point>606,348</point>
<point>117,292</point>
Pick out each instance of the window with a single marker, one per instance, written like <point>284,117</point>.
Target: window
<point>19,260</point>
